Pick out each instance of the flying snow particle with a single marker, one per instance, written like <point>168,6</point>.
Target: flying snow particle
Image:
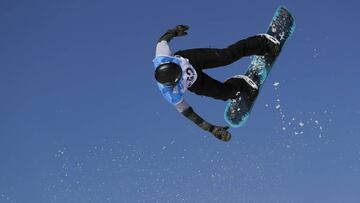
<point>276,84</point>
<point>273,29</point>
<point>277,106</point>
<point>301,124</point>
<point>316,53</point>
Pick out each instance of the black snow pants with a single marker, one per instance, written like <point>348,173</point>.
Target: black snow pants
<point>207,58</point>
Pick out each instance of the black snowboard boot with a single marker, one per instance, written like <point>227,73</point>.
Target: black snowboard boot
<point>242,84</point>
<point>272,45</point>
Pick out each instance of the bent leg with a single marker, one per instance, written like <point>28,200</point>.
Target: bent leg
<point>208,86</point>
<point>204,58</point>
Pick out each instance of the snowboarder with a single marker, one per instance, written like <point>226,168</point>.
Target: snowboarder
<point>176,73</point>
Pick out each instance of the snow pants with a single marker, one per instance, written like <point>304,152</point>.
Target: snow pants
<point>208,58</point>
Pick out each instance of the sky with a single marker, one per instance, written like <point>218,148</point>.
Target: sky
<point>82,120</point>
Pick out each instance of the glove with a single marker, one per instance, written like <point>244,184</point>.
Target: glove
<point>221,132</point>
<point>180,30</point>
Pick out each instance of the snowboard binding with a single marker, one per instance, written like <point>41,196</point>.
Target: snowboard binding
<point>273,47</point>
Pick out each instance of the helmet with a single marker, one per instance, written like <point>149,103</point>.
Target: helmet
<point>168,74</point>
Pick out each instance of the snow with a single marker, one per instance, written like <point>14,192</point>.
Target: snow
<point>316,53</point>
<point>293,130</point>
<point>293,123</point>
<point>4,197</point>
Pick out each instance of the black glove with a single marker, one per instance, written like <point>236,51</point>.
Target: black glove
<point>221,132</point>
<point>179,30</point>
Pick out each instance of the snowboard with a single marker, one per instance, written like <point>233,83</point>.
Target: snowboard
<point>281,27</point>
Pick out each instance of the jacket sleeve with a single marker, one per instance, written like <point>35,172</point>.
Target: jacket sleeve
<point>186,110</point>
<point>163,49</point>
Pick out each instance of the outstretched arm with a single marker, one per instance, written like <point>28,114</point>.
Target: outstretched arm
<point>218,131</point>
<point>162,47</point>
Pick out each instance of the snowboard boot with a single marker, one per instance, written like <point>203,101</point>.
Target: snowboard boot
<point>243,86</point>
<point>272,45</point>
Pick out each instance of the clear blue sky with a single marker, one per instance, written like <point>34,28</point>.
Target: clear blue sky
<point>82,120</point>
